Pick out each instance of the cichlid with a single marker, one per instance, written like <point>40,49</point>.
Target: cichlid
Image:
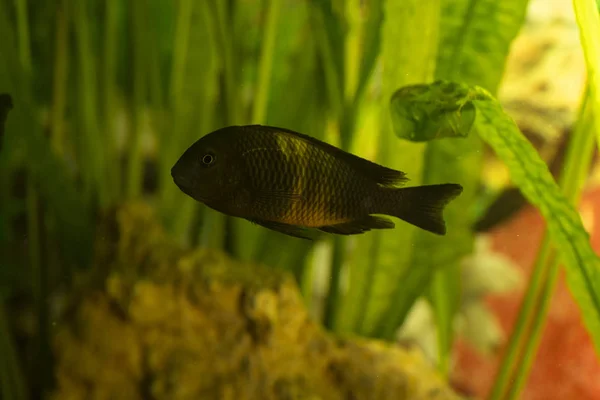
<point>295,184</point>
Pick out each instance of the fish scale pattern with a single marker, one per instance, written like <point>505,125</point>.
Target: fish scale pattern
<point>296,182</point>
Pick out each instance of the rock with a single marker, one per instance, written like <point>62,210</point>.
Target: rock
<point>172,324</point>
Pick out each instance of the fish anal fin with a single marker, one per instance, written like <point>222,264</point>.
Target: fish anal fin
<point>286,229</point>
<point>359,226</point>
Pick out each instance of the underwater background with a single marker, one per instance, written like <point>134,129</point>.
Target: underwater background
<point>116,285</point>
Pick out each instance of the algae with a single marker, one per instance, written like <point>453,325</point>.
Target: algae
<point>166,323</point>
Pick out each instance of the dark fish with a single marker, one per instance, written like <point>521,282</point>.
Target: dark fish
<point>294,184</point>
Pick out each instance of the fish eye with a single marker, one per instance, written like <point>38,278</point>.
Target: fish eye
<point>208,159</point>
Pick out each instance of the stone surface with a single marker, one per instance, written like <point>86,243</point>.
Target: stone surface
<point>156,322</point>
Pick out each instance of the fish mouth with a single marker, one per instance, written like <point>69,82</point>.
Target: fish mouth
<point>182,182</point>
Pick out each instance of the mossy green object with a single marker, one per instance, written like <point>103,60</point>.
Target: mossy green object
<point>171,324</point>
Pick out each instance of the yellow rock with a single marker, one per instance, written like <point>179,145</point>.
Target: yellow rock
<point>170,324</point>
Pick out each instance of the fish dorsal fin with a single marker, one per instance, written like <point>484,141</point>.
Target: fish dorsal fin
<point>378,173</point>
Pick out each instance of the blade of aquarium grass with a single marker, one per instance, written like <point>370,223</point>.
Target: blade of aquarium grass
<point>223,12</point>
<point>371,47</point>
<point>50,175</point>
<point>415,24</point>
<point>12,383</point>
<point>297,100</point>
<point>254,241</point>
<point>445,298</point>
<point>193,92</point>
<point>588,20</point>
<point>109,76</point>
<point>139,77</point>
<point>263,85</point>
<point>524,340</point>
<point>475,37</point>
<point>327,26</point>
<point>92,157</point>
<point>60,87</point>
<point>37,268</point>
<point>331,40</point>
<point>528,171</point>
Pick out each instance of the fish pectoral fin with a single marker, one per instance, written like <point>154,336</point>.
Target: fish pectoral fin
<point>290,230</point>
<point>358,226</point>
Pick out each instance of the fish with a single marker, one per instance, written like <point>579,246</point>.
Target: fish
<point>300,186</point>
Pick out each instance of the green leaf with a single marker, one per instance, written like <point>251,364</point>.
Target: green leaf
<point>523,343</point>
<point>445,299</point>
<point>529,172</point>
<point>371,44</point>
<point>475,38</point>
<point>472,50</point>
<point>327,24</point>
<point>421,114</point>
<point>92,149</point>
<point>12,382</point>
<point>383,258</point>
<point>193,90</point>
<point>50,174</point>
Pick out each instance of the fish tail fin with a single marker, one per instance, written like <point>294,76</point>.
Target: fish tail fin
<point>422,206</point>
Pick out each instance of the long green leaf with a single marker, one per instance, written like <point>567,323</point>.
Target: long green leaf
<point>525,338</point>
<point>383,257</point>
<point>49,172</point>
<point>327,25</point>
<point>92,149</point>
<point>476,38</point>
<point>474,51</point>
<point>12,384</point>
<point>297,100</point>
<point>529,172</point>
<point>193,92</point>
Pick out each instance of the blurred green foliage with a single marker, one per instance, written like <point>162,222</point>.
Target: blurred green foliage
<point>108,94</point>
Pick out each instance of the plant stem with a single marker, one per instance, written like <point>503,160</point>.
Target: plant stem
<point>333,292</point>
<point>92,157</point>
<point>139,45</point>
<point>12,384</point>
<point>171,143</point>
<point>365,295</point>
<point>266,62</point>
<point>333,78</point>
<point>61,65</point>
<point>109,75</point>
<point>231,111</point>
<point>227,52</point>
<point>39,284</point>
<point>23,35</point>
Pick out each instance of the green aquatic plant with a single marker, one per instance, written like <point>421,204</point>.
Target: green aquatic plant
<point>108,94</point>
